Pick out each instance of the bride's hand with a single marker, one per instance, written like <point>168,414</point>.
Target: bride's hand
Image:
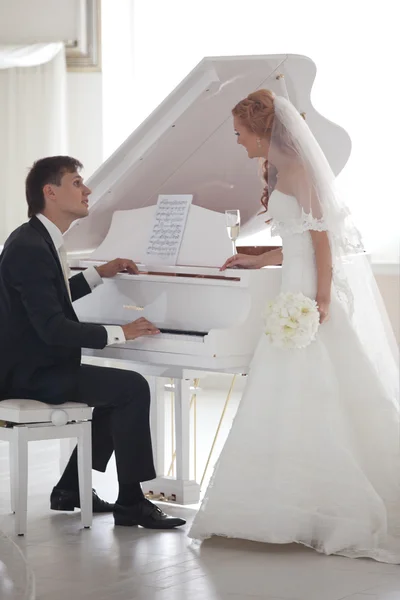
<point>323,309</point>
<point>244,261</point>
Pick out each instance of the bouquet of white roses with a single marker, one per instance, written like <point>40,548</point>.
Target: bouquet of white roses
<point>291,320</point>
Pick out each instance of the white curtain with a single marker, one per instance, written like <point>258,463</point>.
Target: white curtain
<point>32,120</point>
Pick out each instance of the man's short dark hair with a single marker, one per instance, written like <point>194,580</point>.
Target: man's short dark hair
<point>45,171</point>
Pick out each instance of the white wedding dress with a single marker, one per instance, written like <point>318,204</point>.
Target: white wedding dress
<point>313,454</point>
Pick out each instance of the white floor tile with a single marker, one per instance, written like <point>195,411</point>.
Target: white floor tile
<point>367,596</point>
<point>389,589</point>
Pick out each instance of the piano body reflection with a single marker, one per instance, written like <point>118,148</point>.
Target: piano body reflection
<point>210,320</point>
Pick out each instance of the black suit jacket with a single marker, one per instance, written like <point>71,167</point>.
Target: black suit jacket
<point>40,335</point>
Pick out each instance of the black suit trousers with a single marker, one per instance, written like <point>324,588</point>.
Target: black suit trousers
<point>121,401</point>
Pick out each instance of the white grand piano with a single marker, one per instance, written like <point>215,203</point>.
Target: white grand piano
<point>210,320</point>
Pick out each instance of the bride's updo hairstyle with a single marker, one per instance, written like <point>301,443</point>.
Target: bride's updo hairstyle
<point>256,113</point>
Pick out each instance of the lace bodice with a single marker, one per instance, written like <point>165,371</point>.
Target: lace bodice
<point>293,225</point>
<point>289,218</point>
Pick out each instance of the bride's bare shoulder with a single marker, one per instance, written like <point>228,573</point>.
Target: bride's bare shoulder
<point>293,179</point>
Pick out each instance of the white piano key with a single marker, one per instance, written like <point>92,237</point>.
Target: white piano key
<point>181,337</point>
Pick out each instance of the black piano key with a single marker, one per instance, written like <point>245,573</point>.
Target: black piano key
<point>184,332</point>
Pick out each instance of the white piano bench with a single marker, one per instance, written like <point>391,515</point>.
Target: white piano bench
<point>23,421</point>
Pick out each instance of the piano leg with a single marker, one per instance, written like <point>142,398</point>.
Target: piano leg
<point>181,489</point>
<point>157,422</point>
<point>182,428</point>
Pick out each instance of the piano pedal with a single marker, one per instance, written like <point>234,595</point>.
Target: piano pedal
<point>160,497</point>
<point>157,497</point>
<point>171,498</point>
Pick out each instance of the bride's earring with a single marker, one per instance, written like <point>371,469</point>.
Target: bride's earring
<point>259,142</point>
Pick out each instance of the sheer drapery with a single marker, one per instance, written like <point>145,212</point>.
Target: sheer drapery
<point>32,120</point>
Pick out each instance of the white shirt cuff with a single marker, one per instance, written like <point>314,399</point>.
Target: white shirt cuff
<point>115,335</point>
<point>92,277</point>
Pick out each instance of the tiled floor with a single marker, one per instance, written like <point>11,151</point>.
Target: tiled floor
<point>107,563</point>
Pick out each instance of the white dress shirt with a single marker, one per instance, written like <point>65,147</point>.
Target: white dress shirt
<point>115,334</point>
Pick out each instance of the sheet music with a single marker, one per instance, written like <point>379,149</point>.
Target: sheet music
<point>168,228</point>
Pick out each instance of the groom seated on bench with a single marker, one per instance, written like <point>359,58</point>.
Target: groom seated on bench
<point>41,340</point>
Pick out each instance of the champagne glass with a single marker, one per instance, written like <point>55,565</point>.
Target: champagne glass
<point>232,219</point>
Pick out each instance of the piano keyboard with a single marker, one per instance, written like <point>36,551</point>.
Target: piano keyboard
<point>186,336</point>
<point>176,334</point>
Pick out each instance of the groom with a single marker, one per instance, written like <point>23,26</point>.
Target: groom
<point>41,341</point>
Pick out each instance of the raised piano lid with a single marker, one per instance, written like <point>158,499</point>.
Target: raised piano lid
<point>187,146</point>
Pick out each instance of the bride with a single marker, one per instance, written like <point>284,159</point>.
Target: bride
<point>313,455</point>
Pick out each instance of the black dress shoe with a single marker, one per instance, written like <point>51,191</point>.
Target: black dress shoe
<point>146,514</point>
<point>67,500</point>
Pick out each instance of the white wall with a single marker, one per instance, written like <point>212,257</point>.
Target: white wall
<point>31,21</point>
<point>119,93</point>
<point>389,287</point>
<point>85,119</point>
<point>101,105</point>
